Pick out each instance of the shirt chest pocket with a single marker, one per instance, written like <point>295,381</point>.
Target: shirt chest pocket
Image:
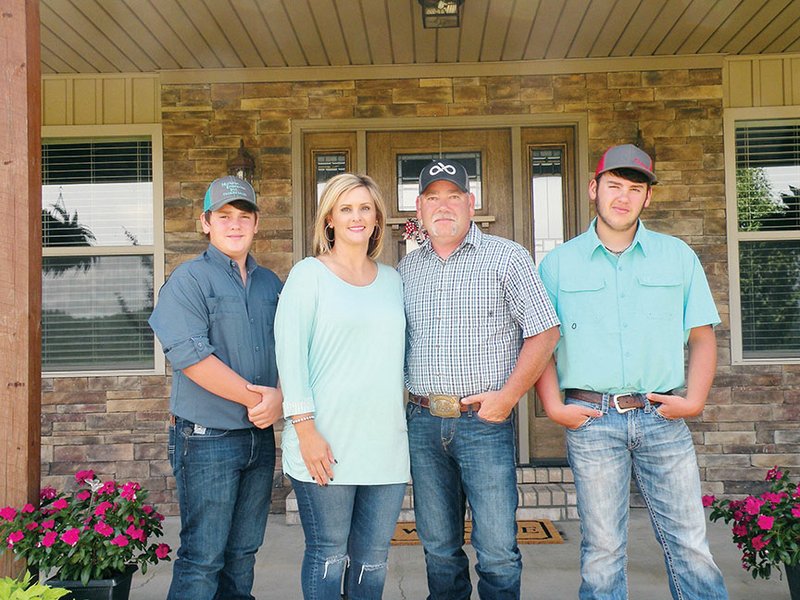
<point>661,297</point>
<point>580,304</point>
<point>224,308</point>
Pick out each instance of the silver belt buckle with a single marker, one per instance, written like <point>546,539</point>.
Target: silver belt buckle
<point>447,407</point>
<point>615,399</point>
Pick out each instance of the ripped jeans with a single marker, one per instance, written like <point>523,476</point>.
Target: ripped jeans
<point>347,529</point>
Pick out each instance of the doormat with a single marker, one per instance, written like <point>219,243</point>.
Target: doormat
<point>538,531</point>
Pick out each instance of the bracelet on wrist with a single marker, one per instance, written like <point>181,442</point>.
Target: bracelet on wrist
<point>302,419</point>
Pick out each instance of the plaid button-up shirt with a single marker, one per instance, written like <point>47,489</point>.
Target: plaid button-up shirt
<point>467,315</point>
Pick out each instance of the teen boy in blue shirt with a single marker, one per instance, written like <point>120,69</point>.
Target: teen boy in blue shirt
<point>214,318</point>
<point>628,300</point>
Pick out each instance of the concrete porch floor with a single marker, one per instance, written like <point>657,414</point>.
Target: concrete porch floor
<point>550,571</point>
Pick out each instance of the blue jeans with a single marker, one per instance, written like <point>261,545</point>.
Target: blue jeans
<point>460,460</point>
<point>348,529</point>
<point>602,453</point>
<point>224,483</point>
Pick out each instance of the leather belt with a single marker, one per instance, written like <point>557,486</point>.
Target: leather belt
<point>622,402</point>
<point>441,405</point>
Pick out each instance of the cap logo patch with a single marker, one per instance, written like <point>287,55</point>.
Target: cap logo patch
<point>439,167</point>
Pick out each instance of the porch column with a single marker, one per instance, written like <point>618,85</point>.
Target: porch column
<point>20,257</point>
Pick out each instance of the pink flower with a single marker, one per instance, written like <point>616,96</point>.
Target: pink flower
<point>8,513</point>
<point>129,490</point>
<point>739,530</point>
<point>162,551</point>
<point>101,508</point>
<point>49,524</point>
<point>120,541</point>
<point>49,539</point>
<point>758,542</point>
<point>83,495</point>
<point>103,529</point>
<point>82,476</point>
<point>147,509</point>
<point>135,534</point>
<point>773,473</point>
<point>752,506</point>
<point>708,501</point>
<point>70,536</point>
<point>796,511</point>
<point>31,526</point>
<point>28,508</point>
<point>14,537</point>
<point>109,487</point>
<point>60,504</point>
<point>765,522</point>
<point>47,493</point>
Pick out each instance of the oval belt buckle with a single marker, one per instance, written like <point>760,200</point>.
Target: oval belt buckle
<point>447,407</point>
<point>615,399</point>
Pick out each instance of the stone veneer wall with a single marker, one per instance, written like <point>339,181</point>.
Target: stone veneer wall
<point>117,424</point>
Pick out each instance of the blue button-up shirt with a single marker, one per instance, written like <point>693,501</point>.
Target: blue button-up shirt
<point>625,320</point>
<point>204,308</point>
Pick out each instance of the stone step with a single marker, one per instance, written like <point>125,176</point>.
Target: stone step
<point>544,493</point>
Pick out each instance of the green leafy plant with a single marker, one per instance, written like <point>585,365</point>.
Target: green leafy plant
<point>93,532</point>
<point>766,528</point>
<point>26,589</point>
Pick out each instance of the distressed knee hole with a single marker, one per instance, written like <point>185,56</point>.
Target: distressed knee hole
<point>369,568</point>
<point>335,560</point>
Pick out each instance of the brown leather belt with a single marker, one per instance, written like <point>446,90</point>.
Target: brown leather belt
<point>441,405</point>
<point>622,402</point>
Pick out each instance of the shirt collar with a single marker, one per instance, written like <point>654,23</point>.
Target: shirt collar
<point>216,256</point>
<point>640,240</point>
<point>473,238</point>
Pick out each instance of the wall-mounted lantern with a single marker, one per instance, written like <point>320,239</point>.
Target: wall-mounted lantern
<point>242,166</point>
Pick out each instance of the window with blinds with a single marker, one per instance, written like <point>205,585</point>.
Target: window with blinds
<point>98,253</point>
<point>768,225</point>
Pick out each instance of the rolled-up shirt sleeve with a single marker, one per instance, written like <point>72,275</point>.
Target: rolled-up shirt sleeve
<point>181,321</point>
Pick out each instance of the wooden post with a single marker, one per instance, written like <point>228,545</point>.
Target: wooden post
<point>20,257</point>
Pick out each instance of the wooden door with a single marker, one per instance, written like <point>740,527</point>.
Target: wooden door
<point>395,158</point>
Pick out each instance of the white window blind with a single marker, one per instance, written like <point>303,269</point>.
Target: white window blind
<point>768,222</point>
<point>97,237</point>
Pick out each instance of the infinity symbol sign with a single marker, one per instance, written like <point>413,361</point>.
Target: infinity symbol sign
<point>439,167</point>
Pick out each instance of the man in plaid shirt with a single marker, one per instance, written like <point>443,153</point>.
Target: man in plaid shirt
<point>480,331</point>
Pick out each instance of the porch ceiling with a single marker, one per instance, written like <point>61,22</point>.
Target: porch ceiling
<point>110,36</point>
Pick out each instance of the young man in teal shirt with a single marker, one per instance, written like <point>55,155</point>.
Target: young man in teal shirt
<point>629,299</point>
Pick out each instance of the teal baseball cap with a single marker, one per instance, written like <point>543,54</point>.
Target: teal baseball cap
<point>225,190</point>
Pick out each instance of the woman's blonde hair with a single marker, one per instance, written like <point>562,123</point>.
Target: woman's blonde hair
<point>335,188</point>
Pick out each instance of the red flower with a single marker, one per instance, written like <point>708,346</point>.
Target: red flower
<point>83,495</point>
<point>765,522</point>
<point>773,473</point>
<point>9,513</point>
<point>49,524</point>
<point>135,534</point>
<point>101,508</point>
<point>758,542</point>
<point>120,541</point>
<point>82,476</point>
<point>708,500</point>
<point>103,528</point>
<point>752,506</point>
<point>739,530</point>
<point>49,539</point>
<point>32,525</point>
<point>14,537</point>
<point>47,493</point>
<point>28,509</point>
<point>60,504</point>
<point>71,536</point>
<point>162,551</point>
<point>129,490</point>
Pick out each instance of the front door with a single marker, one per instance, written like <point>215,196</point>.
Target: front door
<point>536,162</point>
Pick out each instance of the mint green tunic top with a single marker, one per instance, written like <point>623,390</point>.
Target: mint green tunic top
<point>340,351</point>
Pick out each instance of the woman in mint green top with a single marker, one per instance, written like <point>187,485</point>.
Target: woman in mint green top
<point>340,343</point>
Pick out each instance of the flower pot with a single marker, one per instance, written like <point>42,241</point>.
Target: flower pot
<point>115,588</point>
<point>793,579</point>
